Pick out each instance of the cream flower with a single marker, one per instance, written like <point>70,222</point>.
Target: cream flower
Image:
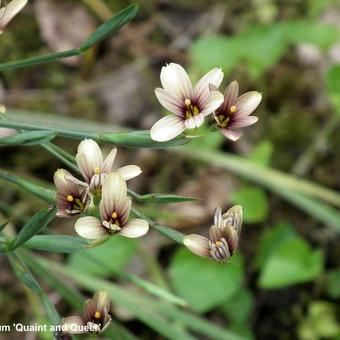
<point>9,11</point>
<point>189,105</point>
<point>94,169</point>
<point>72,194</point>
<point>114,210</point>
<point>223,236</point>
<point>235,111</point>
<point>96,316</point>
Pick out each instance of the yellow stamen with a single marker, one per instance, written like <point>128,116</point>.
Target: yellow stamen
<point>97,315</point>
<point>233,109</point>
<point>97,171</point>
<point>187,102</point>
<point>218,243</point>
<point>70,198</point>
<point>114,215</point>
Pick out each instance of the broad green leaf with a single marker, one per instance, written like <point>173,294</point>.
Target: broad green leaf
<point>33,226</point>
<point>56,243</point>
<point>262,153</point>
<point>239,307</point>
<point>203,283</point>
<point>105,259</point>
<point>320,322</point>
<point>254,202</point>
<point>291,263</point>
<point>108,27</point>
<point>271,239</point>
<point>333,283</point>
<point>28,138</point>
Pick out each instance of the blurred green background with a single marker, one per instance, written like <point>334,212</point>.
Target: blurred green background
<point>284,282</point>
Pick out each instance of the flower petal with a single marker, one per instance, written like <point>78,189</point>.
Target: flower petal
<point>198,244</point>
<point>108,163</point>
<point>247,103</point>
<point>176,82</point>
<point>167,128</point>
<point>243,122</point>
<point>213,102</point>
<point>218,217</point>
<point>89,157</point>
<point>90,227</point>
<point>114,187</point>
<point>73,325</point>
<point>9,11</point>
<point>135,228</point>
<point>170,103</point>
<point>232,134</point>
<point>129,171</point>
<point>194,122</point>
<point>202,91</point>
<point>230,95</point>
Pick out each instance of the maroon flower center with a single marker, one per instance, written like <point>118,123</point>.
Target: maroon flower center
<point>75,203</point>
<point>224,117</point>
<point>190,109</point>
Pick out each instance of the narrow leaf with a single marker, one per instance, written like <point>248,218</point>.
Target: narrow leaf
<point>164,198</point>
<point>46,195</point>
<point>28,138</point>
<point>56,243</point>
<point>3,225</point>
<point>108,27</point>
<point>139,139</point>
<point>33,226</point>
<point>11,65</point>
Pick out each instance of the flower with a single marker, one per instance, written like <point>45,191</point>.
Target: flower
<point>9,11</point>
<point>114,211</point>
<point>235,111</point>
<point>223,236</point>
<point>72,194</point>
<point>94,169</point>
<point>189,105</point>
<point>96,317</point>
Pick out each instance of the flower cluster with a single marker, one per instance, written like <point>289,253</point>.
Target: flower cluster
<point>96,316</point>
<point>190,105</point>
<point>102,184</point>
<point>223,236</point>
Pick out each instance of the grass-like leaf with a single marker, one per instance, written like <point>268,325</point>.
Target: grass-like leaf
<point>113,24</point>
<point>28,138</point>
<point>33,226</point>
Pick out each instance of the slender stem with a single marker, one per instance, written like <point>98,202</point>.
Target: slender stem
<point>304,163</point>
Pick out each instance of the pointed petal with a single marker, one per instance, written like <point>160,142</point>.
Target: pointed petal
<point>90,227</point>
<point>88,158</point>
<point>114,187</point>
<point>73,325</point>
<point>9,11</point>
<point>129,171</point>
<point>232,134</point>
<point>135,228</point>
<point>247,103</point>
<point>198,244</point>
<point>170,103</point>
<point>202,90</point>
<point>176,82</point>
<point>167,128</point>
<point>108,163</point>
<point>106,208</point>
<point>215,233</point>
<point>214,101</point>
<point>218,217</point>
<point>243,122</point>
<point>230,94</point>
<point>102,301</point>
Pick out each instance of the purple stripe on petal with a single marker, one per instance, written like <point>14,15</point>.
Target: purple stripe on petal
<point>243,122</point>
